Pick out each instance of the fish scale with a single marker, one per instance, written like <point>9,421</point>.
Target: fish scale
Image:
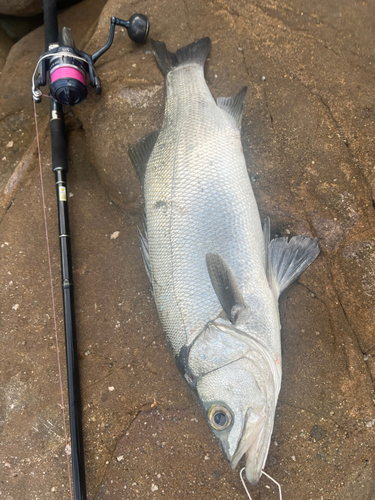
<point>215,274</point>
<point>197,194</point>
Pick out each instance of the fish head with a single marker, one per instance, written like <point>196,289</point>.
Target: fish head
<point>239,401</point>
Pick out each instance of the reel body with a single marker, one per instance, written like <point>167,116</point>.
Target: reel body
<point>68,78</point>
<point>67,67</point>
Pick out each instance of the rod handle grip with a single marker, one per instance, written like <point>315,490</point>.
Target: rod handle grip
<point>58,144</point>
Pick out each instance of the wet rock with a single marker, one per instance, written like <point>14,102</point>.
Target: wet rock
<point>28,8</point>
<point>308,132</point>
<point>5,46</point>
<point>21,7</point>
<point>18,27</point>
<point>155,435</point>
<point>317,432</point>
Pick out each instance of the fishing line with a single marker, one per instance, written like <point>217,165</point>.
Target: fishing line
<point>53,304</point>
<point>265,474</point>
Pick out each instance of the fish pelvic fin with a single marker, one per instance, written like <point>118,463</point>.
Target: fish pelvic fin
<point>289,258</point>
<point>234,105</point>
<point>225,286</point>
<point>140,152</point>
<point>196,52</point>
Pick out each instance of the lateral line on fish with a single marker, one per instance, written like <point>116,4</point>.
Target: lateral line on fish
<point>170,235</point>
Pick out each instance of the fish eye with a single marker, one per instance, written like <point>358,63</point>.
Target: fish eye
<point>219,417</point>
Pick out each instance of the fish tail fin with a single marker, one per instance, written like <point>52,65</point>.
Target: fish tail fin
<point>195,53</point>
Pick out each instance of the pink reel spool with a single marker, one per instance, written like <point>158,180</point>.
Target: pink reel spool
<point>67,72</point>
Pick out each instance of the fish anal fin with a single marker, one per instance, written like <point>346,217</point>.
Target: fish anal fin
<point>225,286</point>
<point>140,152</point>
<point>289,258</point>
<point>234,105</point>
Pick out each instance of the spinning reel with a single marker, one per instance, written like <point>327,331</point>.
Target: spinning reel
<point>67,66</point>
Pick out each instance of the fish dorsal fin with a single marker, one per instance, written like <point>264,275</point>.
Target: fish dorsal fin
<point>290,258</point>
<point>234,105</point>
<point>225,286</point>
<point>140,152</point>
<point>196,52</point>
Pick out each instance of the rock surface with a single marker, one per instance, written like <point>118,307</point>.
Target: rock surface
<point>21,7</point>
<point>28,8</point>
<point>308,134</point>
<point>5,46</point>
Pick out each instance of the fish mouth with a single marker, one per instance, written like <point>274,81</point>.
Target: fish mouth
<point>255,443</point>
<point>258,425</point>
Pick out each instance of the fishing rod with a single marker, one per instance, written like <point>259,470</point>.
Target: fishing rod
<point>65,69</point>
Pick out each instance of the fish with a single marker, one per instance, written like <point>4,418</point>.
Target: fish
<point>215,274</point>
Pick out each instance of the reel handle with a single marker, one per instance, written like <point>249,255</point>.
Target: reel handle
<point>138,28</point>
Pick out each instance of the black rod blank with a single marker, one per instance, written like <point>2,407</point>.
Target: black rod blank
<point>60,167</point>
<point>51,30</point>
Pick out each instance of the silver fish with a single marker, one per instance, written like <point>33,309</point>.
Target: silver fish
<point>216,276</point>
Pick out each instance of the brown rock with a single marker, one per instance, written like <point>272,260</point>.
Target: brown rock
<point>21,7</point>
<point>308,139</point>
<point>5,46</point>
<point>28,8</point>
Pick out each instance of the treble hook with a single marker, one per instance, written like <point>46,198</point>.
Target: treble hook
<point>265,474</point>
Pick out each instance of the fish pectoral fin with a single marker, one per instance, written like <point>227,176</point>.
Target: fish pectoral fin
<point>225,286</point>
<point>290,258</point>
<point>234,105</point>
<point>140,152</point>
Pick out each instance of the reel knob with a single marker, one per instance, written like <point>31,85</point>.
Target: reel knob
<point>138,28</point>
